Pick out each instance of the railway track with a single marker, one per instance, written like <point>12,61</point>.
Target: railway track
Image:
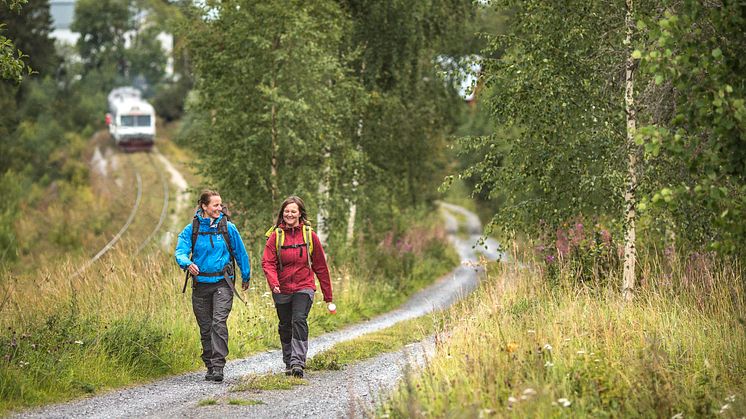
<point>133,212</point>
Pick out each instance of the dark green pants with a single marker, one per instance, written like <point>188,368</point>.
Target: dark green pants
<point>212,304</point>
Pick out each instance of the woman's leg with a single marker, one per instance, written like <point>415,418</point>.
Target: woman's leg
<point>222,303</point>
<point>284,328</point>
<point>301,303</point>
<point>202,306</point>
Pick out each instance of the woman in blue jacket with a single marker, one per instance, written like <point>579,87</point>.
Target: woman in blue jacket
<point>213,276</point>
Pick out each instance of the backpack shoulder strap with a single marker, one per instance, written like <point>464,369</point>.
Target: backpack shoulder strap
<point>195,233</point>
<point>308,238</point>
<point>223,229</point>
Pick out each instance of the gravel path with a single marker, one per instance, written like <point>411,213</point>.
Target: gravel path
<point>329,394</point>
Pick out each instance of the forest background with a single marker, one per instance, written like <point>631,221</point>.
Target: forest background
<point>357,96</point>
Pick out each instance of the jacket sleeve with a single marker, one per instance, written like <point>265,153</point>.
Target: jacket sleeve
<point>184,247</point>
<point>269,262</point>
<point>242,257</point>
<point>318,263</point>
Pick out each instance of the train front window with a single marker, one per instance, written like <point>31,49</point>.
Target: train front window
<point>128,120</point>
<point>143,120</point>
<point>135,120</point>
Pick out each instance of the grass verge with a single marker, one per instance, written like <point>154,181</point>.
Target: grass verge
<point>519,348</point>
<point>372,344</point>
<point>267,382</point>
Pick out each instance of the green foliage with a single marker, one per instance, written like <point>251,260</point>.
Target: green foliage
<point>102,25</point>
<point>29,27</point>
<point>282,104</point>
<point>11,187</point>
<point>695,122</point>
<point>146,58</point>
<point>554,95</point>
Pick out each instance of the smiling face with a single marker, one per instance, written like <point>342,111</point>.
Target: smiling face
<point>291,214</point>
<point>212,209</point>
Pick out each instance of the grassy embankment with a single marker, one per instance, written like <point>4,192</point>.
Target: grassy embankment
<point>124,320</point>
<point>520,347</point>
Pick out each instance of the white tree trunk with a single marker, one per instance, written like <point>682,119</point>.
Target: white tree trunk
<point>321,229</point>
<point>630,252</point>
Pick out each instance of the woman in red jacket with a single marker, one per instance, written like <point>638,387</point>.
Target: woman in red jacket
<point>291,279</point>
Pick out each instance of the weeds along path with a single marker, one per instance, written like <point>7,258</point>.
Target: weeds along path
<point>180,395</point>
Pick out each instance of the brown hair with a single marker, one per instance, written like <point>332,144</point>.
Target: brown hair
<point>204,197</point>
<point>301,207</point>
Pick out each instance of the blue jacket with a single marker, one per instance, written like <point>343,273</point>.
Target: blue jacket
<point>210,252</point>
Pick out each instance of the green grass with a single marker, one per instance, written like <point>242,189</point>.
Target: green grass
<point>267,382</point>
<point>125,321</point>
<point>207,402</point>
<point>372,344</point>
<point>518,348</point>
<point>244,402</point>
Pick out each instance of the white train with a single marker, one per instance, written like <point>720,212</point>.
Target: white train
<point>131,120</point>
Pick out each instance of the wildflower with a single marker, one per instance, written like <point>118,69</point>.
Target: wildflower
<point>550,258</point>
<point>564,402</point>
<point>567,339</point>
<point>531,332</point>
<point>724,408</point>
<point>679,415</point>
<point>511,347</point>
<point>266,294</point>
<point>512,399</point>
<point>731,398</point>
<point>581,352</point>
<point>22,363</point>
<point>78,342</point>
<point>548,347</point>
<point>529,392</point>
<point>548,364</point>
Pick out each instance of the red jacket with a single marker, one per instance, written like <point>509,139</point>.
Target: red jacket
<point>295,274</point>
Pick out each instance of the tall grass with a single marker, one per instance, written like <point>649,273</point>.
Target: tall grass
<point>124,320</point>
<point>521,347</point>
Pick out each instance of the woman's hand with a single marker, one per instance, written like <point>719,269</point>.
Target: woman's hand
<point>193,269</point>
<point>276,290</point>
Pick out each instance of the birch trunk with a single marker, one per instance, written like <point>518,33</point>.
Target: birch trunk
<point>321,229</point>
<point>630,252</point>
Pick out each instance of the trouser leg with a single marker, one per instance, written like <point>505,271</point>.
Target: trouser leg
<point>202,306</point>
<point>222,303</point>
<point>301,305</point>
<point>285,315</point>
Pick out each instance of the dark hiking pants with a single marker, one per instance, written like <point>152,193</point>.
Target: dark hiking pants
<point>292,310</point>
<point>212,303</point>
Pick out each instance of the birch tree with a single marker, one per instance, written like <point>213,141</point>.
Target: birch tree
<point>630,253</point>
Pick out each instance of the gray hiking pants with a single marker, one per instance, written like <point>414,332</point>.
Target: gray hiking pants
<point>292,310</point>
<point>212,304</point>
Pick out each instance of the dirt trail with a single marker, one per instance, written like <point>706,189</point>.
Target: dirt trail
<point>329,394</point>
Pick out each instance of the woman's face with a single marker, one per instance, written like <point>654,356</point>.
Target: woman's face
<point>291,214</point>
<point>212,209</point>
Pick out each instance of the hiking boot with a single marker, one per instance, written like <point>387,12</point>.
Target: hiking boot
<point>297,371</point>
<point>208,376</point>
<point>288,370</point>
<point>217,374</point>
